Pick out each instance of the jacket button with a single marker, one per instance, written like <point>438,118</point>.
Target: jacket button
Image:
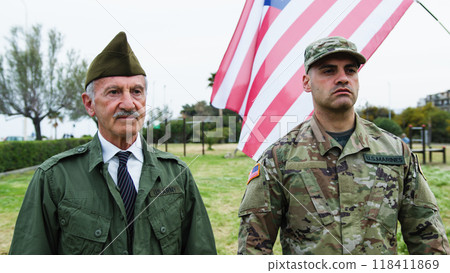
<point>98,233</point>
<point>62,221</point>
<point>163,229</point>
<point>125,252</point>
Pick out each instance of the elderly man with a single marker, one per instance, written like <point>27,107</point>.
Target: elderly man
<point>113,195</point>
<point>337,184</point>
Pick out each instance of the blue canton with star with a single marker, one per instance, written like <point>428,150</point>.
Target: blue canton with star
<point>279,4</point>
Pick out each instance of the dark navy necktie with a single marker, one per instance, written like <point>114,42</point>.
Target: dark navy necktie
<point>126,186</point>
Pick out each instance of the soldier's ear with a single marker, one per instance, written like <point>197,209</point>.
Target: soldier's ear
<point>88,104</point>
<point>307,83</point>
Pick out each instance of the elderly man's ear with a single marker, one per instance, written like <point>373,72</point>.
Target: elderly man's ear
<point>88,104</point>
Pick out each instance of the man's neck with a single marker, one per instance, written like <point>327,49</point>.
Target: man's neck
<point>120,142</point>
<point>336,122</point>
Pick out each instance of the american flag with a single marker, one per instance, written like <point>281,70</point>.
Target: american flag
<point>260,76</point>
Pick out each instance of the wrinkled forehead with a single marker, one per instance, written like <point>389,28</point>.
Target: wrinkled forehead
<point>121,81</point>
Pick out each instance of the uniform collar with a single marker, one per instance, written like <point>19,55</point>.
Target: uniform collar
<point>102,150</point>
<point>357,141</point>
<point>95,153</point>
<point>151,171</point>
<point>109,150</point>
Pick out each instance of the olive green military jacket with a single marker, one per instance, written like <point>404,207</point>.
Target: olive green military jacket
<point>326,199</point>
<point>72,206</point>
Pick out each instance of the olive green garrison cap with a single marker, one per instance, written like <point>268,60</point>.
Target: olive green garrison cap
<point>117,59</point>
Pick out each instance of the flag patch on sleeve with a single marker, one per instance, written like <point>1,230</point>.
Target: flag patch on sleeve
<point>253,173</point>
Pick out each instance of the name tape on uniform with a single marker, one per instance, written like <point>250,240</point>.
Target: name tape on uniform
<point>384,159</point>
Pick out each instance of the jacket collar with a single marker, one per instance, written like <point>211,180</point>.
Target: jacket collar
<point>151,172</point>
<point>150,168</point>
<point>359,139</point>
<point>357,142</point>
<point>95,153</point>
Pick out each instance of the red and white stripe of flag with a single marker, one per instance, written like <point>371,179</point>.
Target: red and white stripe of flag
<point>260,76</point>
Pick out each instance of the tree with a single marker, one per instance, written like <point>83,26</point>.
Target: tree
<point>440,122</point>
<point>430,116</point>
<point>388,125</point>
<point>54,117</point>
<point>201,108</point>
<point>211,79</point>
<point>36,85</point>
<point>159,114</point>
<point>411,116</point>
<point>372,112</point>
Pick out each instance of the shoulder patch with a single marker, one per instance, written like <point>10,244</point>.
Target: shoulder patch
<point>254,172</point>
<point>385,159</point>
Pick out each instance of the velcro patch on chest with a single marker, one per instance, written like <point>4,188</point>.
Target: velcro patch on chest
<point>254,173</point>
<point>384,159</point>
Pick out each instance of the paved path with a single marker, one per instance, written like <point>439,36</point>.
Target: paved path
<point>20,170</point>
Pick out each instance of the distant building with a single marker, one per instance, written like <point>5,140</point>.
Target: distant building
<point>440,100</point>
<point>421,102</point>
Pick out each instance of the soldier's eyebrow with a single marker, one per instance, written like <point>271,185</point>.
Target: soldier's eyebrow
<point>325,66</point>
<point>352,65</point>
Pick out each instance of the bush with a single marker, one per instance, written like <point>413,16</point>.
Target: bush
<point>22,154</point>
<point>215,136</point>
<point>388,125</point>
<point>156,133</point>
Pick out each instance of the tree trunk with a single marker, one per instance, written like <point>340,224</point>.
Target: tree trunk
<point>222,140</point>
<point>37,128</point>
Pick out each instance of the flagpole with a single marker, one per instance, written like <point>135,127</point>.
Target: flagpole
<point>433,16</point>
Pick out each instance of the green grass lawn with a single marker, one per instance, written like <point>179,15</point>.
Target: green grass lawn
<point>437,157</point>
<point>221,182</point>
<point>12,190</point>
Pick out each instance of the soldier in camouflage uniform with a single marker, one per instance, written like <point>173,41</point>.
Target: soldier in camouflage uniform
<point>338,184</point>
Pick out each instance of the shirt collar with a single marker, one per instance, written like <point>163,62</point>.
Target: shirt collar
<point>109,150</point>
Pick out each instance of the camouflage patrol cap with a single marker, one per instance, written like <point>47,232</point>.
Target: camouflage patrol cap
<point>117,59</point>
<point>330,45</point>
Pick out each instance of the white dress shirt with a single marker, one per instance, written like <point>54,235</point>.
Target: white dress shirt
<point>134,163</point>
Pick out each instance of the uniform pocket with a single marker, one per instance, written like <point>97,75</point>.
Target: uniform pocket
<point>166,225</point>
<point>382,205</point>
<point>309,214</point>
<point>82,230</point>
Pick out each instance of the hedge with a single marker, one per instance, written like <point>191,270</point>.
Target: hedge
<point>21,154</point>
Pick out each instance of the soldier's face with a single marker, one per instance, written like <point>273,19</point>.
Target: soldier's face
<point>333,82</point>
<point>119,105</point>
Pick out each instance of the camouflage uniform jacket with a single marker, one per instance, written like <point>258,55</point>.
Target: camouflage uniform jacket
<point>73,206</point>
<point>332,200</point>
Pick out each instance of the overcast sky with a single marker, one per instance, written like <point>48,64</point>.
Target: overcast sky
<point>179,43</point>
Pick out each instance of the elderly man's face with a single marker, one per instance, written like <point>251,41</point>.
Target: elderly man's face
<point>119,105</point>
